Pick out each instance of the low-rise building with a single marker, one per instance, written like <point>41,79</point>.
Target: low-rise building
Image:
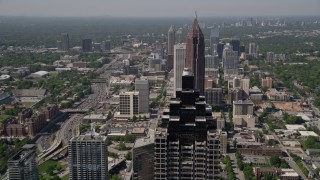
<point>306,134</point>
<point>259,149</point>
<point>275,95</point>
<point>285,174</point>
<point>139,132</point>
<point>30,95</point>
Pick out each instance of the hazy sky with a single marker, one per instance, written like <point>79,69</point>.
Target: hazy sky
<point>159,8</point>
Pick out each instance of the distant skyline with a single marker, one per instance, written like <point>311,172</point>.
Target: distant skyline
<point>160,8</point>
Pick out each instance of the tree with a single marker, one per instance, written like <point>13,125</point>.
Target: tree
<point>115,177</point>
<point>129,156</point>
<point>134,118</point>
<point>121,147</point>
<point>275,161</point>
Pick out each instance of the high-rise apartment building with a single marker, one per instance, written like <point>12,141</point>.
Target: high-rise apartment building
<point>171,42</point>
<point>254,50</point>
<point>87,45</point>
<point>64,42</point>
<point>179,64</point>
<point>187,145</point>
<point>88,157</point>
<point>266,83</point>
<point>129,103</point>
<point>230,60</point>
<point>195,59</point>
<point>142,86</point>
<point>23,165</point>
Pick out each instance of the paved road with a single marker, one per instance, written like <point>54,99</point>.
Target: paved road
<point>289,159</point>
<point>294,166</point>
<point>239,174</point>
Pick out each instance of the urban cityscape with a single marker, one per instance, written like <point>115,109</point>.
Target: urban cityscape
<point>157,98</point>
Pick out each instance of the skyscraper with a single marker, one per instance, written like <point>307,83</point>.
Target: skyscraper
<point>88,157</point>
<point>142,86</point>
<point>214,39</point>
<point>23,165</point>
<point>254,50</point>
<point>230,60</point>
<point>195,55</point>
<point>64,42</point>
<point>87,45</point>
<point>171,42</point>
<point>179,63</point>
<point>187,145</point>
<point>143,159</point>
<point>236,45</point>
<point>212,61</point>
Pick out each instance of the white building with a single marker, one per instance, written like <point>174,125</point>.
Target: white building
<point>178,64</point>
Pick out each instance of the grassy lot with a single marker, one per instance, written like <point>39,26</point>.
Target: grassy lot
<point>46,170</point>
<point>4,117</point>
<point>66,177</point>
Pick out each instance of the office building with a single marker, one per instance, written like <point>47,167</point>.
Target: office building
<point>179,64</point>
<point>230,60</point>
<point>59,45</point>
<point>214,96</point>
<point>242,107</point>
<point>214,39</point>
<point>106,45</point>
<point>235,94</point>
<point>245,86</point>
<point>88,157</point>
<point>23,165</point>
<point>87,45</point>
<point>220,48</point>
<point>143,159</point>
<point>187,145</point>
<point>211,73</point>
<point>243,114</point>
<point>212,61</point>
<point>266,83</point>
<point>235,43</point>
<point>195,59</point>
<point>171,42</point>
<point>97,47</point>
<point>129,103</point>
<point>142,86</point>
<point>270,56</point>
<point>254,50</point>
<point>64,42</point>
<point>156,65</point>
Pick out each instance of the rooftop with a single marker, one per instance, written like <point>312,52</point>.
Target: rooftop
<point>308,133</point>
<point>29,92</point>
<point>295,127</point>
<point>89,137</point>
<point>142,142</point>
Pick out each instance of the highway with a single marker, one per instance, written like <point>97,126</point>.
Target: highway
<point>67,128</point>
